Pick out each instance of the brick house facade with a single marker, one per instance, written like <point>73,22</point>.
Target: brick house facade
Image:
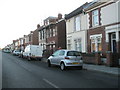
<point>98,25</point>
<point>52,34</point>
<point>104,30</point>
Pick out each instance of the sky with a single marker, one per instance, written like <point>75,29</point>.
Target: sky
<point>19,17</point>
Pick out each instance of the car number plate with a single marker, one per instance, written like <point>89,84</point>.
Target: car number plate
<point>75,63</point>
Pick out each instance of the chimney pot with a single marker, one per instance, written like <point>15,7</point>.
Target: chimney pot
<point>38,25</point>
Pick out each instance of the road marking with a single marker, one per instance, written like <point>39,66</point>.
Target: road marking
<point>50,83</point>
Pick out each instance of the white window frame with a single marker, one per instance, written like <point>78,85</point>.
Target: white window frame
<point>95,23</point>
<point>96,41</point>
<point>77,23</point>
<point>78,45</point>
<point>112,38</point>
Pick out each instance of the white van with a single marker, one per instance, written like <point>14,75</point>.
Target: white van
<point>33,52</point>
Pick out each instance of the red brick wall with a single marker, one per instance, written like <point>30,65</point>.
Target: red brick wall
<point>97,30</point>
<point>62,34</point>
<point>89,58</point>
<point>35,40</point>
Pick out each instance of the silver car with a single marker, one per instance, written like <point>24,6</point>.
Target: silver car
<point>66,58</point>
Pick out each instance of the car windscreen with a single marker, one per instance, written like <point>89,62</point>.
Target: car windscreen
<point>73,53</point>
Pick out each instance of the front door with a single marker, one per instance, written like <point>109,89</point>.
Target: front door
<point>113,42</point>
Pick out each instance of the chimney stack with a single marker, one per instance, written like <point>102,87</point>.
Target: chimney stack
<point>59,16</point>
<point>24,35</point>
<point>31,31</point>
<point>38,25</point>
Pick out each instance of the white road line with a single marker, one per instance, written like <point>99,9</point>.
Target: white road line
<point>50,83</point>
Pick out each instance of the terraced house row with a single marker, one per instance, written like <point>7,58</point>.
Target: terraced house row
<point>93,29</point>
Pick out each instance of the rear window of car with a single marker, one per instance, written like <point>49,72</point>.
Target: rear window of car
<point>73,53</point>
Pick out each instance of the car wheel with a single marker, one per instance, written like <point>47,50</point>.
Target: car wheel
<point>49,64</point>
<point>62,66</point>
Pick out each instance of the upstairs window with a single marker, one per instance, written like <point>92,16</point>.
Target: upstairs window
<point>95,18</point>
<point>56,32</point>
<point>50,33</point>
<point>77,23</point>
<point>53,32</point>
<point>41,35</point>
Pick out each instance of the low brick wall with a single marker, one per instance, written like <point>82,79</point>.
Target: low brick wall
<point>112,59</point>
<point>89,58</point>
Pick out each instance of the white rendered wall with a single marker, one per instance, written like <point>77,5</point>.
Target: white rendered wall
<point>72,35</point>
<point>109,14</point>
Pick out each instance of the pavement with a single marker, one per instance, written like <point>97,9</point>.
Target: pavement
<point>100,68</point>
<point>103,68</point>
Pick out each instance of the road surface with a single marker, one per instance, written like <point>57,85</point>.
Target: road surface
<point>20,73</point>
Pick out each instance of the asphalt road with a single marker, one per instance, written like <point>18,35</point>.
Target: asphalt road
<point>20,73</point>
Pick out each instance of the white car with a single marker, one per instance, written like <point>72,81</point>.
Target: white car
<point>66,58</point>
<point>16,52</point>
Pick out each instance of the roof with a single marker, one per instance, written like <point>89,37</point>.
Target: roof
<point>96,3</point>
<point>50,17</point>
<point>79,10</point>
<point>90,4</point>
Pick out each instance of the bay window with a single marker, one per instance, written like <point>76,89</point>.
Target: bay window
<point>78,45</point>
<point>96,44</point>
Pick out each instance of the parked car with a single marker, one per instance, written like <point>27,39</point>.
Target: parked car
<point>16,52</point>
<point>33,52</point>
<point>6,50</point>
<point>66,58</point>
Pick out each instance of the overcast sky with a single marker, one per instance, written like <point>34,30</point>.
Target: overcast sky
<point>19,17</point>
